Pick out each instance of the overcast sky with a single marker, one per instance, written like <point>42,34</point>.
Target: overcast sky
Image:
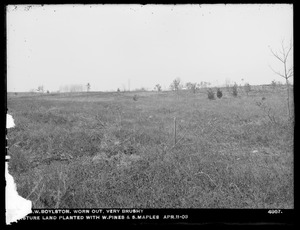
<point>114,46</point>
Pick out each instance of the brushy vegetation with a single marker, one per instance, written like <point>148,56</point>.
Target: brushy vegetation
<point>235,90</point>
<point>135,97</point>
<point>247,88</point>
<point>219,93</point>
<point>91,150</point>
<point>211,94</point>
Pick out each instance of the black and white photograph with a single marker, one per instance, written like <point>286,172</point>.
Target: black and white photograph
<point>125,108</point>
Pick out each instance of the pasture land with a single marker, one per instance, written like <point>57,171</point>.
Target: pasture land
<point>91,150</point>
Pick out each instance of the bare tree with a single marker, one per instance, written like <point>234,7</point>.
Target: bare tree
<point>282,55</point>
<point>191,86</point>
<point>175,84</point>
<point>157,87</point>
<point>205,84</point>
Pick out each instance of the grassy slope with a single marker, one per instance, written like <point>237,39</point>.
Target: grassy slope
<point>107,150</point>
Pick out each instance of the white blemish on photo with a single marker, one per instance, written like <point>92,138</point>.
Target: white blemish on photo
<point>16,207</point>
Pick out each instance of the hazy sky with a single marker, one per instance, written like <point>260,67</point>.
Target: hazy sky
<point>112,46</point>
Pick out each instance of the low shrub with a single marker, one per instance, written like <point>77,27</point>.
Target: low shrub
<point>210,94</point>
<point>247,88</point>
<point>219,93</point>
<point>234,90</point>
<point>135,97</point>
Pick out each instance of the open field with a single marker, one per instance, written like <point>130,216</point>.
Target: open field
<point>90,150</point>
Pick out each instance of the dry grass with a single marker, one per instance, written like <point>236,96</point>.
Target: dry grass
<point>94,150</point>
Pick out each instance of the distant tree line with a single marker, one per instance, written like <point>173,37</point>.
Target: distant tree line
<point>71,88</point>
<point>74,88</point>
